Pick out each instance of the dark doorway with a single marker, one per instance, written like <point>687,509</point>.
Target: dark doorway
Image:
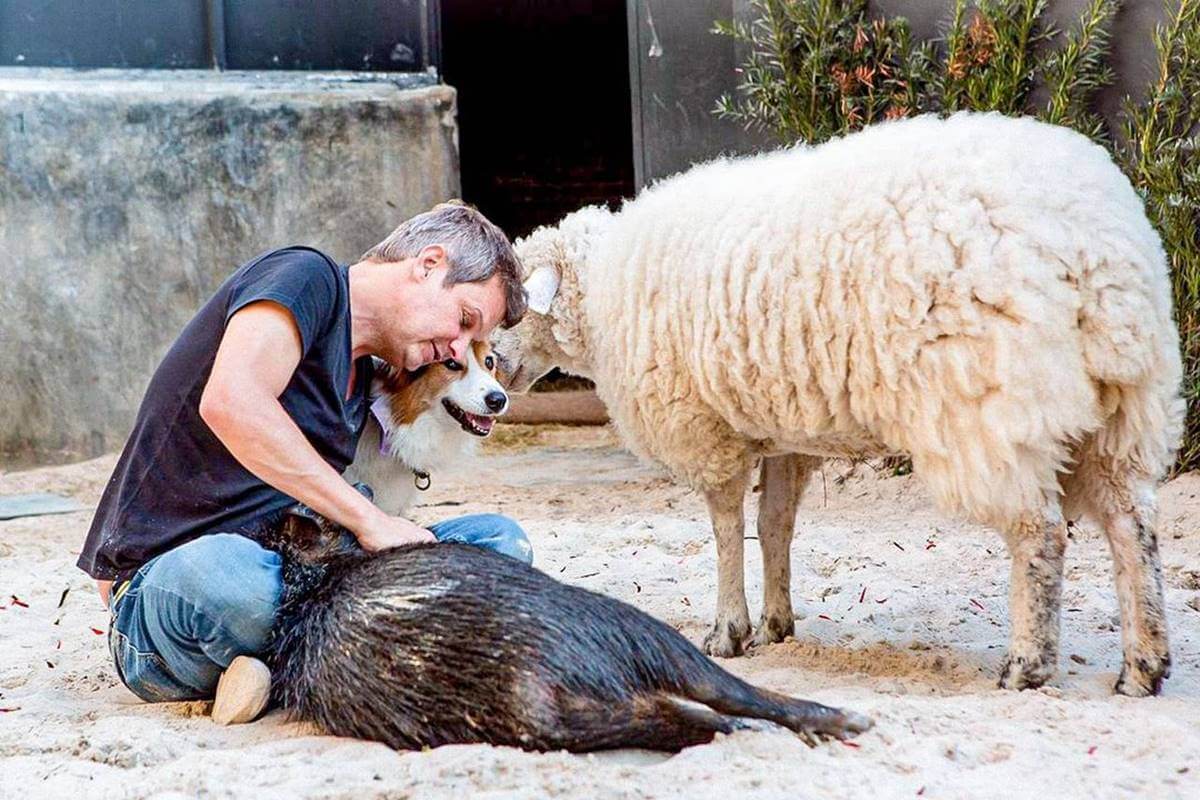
<point>543,105</point>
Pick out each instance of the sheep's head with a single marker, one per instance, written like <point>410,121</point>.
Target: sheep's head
<point>553,332</point>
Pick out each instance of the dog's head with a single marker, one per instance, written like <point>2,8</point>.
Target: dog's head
<point>462,394</point>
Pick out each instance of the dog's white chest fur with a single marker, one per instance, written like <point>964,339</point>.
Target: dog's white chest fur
<point>431,443</point>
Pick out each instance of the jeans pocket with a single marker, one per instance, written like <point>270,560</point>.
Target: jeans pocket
<point>145,674</point>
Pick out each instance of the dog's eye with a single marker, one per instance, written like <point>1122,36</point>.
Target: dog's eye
<point>489,362</point>
<point>452,365</point>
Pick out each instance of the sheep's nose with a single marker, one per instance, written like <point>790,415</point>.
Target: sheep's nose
<point>496,401</point>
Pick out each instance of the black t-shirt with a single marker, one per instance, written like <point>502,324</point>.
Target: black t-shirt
<point>175,481</point>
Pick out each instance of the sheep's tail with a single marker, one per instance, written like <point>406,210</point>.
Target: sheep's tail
<point>1131,352</point>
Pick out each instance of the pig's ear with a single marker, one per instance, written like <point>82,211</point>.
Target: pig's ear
<point>541,287</point>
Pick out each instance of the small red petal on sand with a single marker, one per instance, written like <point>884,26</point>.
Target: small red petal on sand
<point>863,596</point>
<point>855,745</point>
<point>822,616</point>
<point>19,602</point>
<point>977,604</point>
<point>6,710</point>
<point>1092,750</point>
<point>97,631</point>
<point>897,546</point>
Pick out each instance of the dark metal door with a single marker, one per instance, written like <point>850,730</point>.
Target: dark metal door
<point>369,35</point>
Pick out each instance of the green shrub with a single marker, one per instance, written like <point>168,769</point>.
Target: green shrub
<point>1160,152</point>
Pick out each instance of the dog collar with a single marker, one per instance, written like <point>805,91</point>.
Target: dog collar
<point>380,412</point>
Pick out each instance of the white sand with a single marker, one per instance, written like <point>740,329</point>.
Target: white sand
<point>915,653</point>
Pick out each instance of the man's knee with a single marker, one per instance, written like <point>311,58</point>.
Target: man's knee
<point>506,537</point>
<point>230,582</point>
<point>492,531</point>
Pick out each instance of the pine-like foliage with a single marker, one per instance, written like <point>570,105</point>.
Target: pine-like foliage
<point>820,69</point>
<point>1160,153</point>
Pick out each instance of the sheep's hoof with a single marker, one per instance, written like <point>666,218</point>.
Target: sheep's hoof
<point>1019,672</point>
<point>773,629</point>
<point>1143,676</point>
<point>725,639</point>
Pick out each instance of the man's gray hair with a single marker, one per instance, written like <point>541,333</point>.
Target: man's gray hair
<point>475,250</point>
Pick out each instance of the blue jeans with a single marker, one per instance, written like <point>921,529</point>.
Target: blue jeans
<point>190,611</point>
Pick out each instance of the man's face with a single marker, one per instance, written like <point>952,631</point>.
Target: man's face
<point>433,321</point>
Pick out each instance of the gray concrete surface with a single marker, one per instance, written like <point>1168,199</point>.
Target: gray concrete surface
<point>126,197</point>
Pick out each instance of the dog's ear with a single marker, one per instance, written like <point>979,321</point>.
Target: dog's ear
<point>541,287</point>
<point>390,380</point>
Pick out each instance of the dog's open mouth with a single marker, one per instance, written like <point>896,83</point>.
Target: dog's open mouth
<point>475,424</point>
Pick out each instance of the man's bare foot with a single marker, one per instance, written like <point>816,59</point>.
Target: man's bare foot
<point>242,691</point>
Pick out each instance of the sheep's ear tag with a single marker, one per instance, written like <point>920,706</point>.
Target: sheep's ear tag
<point>541,287</point>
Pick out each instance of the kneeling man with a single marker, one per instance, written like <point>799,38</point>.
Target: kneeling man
<point>257,405</point>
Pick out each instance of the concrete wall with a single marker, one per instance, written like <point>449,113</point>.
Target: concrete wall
<point>678,70</point>
<point>127,197</point>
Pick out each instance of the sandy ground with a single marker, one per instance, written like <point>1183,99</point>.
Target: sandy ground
<point>901,615</point>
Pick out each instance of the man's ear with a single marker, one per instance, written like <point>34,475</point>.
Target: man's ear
<point>430,258</point>
<point>541,288</point>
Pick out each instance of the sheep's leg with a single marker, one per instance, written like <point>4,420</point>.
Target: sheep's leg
<point>782,479</point>
<point>1128,522</point>
<point>1037,544</point>
<point>732,626</point>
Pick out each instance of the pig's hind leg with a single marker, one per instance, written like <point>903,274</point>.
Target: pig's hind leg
<point>699,679</point>
<point>649,721</point>
<point>669,721</point>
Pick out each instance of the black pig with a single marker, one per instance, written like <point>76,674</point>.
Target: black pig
<point>438,644</point>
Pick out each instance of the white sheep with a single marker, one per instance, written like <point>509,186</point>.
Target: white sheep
<point>982,293</point>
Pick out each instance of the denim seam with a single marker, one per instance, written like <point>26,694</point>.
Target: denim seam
<point>219,621</point>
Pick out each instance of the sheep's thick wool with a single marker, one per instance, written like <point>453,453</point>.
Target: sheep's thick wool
<point>981,292</point>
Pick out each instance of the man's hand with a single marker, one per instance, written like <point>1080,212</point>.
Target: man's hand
<point>388,532</point>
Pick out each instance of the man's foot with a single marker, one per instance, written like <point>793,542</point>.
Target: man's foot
<point>242,691</point>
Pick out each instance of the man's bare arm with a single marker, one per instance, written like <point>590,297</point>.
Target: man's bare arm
<point>258,354</point>
<point>255,361</point>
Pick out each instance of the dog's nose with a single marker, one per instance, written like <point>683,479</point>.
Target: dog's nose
<point>495,401</point>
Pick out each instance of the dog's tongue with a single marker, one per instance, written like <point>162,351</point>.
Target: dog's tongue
<point>482,423</point>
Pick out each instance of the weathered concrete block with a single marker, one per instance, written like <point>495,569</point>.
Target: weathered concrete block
<point>126,197</point>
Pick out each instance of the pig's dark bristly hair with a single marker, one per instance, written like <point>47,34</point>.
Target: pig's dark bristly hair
<point>438,644</point>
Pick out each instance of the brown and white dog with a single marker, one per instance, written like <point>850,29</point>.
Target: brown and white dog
<point>424,421</point>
